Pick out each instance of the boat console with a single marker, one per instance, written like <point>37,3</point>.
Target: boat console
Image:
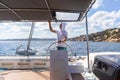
<point>107,67</point>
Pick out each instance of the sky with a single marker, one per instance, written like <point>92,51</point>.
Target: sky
<point>103,15</point>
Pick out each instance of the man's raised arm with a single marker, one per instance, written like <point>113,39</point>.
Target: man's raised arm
<point>50,27</point>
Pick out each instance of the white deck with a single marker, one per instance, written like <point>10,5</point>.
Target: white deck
<point>22,62</point>
<point>36,62</point>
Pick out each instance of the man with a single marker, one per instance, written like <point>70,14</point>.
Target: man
<point>61,36</point>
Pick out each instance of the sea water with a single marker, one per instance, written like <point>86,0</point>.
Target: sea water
<point>76,47</point>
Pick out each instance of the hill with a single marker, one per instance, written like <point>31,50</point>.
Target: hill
<point>109,35</point>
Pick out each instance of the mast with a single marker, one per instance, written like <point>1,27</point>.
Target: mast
<point>30,37</point>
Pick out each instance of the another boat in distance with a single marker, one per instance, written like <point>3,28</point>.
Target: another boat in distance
<point>29,52</point>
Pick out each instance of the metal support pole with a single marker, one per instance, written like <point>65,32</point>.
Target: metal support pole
<point>48,9</point>
<point>30,37</point>
<point>87,42</point>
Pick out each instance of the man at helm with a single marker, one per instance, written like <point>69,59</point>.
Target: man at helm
<point>62,36</point>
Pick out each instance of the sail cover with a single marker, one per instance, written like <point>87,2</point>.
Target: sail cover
<point>43,10</point>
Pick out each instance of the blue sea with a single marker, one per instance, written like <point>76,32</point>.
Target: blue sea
<point>76,47</point>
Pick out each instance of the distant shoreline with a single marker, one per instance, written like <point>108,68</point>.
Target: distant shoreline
<point>33,39</point>
<point>109,35</point>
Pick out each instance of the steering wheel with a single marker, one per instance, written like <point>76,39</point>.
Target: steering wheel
<point>53,46</point>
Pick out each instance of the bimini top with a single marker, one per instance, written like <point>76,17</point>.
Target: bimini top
<point>44,10</point>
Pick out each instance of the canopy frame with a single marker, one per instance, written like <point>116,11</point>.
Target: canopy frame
<point>19,13</point>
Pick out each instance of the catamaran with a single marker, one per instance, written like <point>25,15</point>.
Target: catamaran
<point>57,66</point>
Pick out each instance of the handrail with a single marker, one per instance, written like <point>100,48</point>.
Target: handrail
<point>30,37</point>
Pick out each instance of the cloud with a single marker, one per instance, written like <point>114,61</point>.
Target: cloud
<point>22,29</point>
<point>14,30</point>
<point>99,21</point>
<point>102,20</point>
<point>75,28</point>
<point>97,4</point>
